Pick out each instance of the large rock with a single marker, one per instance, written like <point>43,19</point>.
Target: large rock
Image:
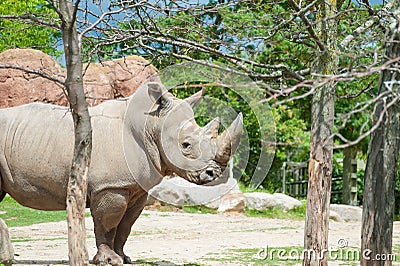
<point>334,216</point>
<point>261,201</point>
<point>117,78</point>
<point>286,202</point>
<point>6,249</point>
<point>102,81</point>
<point>347,213</point>
<point>193,194</point>
<point>18,87</point>
<point>234,201</point>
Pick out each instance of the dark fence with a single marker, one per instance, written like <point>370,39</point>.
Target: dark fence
<point>295,182</point>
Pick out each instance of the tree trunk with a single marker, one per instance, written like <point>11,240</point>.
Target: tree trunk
<point>349,197</point>
<point>321,144</point>
<point>382,162</point>
<point>77,185</point>
<point>6,249</point>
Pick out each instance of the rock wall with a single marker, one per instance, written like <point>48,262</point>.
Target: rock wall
<point>102,81</point>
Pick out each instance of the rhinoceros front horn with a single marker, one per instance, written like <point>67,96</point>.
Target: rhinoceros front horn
<point>228,141</point>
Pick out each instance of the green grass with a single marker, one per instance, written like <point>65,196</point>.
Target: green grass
<point>18,215</point>
<point>298,213</point>
<point>198,209</point>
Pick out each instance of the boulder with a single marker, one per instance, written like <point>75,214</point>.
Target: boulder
<point>234,201</point>
<point>334,216</point>
<point>260,201</point>
<point>116,78</point>
<point>169,196</point>
<point>286,202</point>
<point>347,213</point>
<point>102,81</point>
<point>6,249</point>
<point>192,194</point>
<point>18,87</point>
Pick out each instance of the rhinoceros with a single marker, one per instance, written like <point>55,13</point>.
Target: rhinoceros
<point>136,141</point>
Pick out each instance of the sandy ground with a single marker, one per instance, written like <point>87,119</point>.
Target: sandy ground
<point>170,238</point>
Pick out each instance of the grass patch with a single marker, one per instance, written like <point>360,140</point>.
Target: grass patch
<point>198,209</point>
<point>18,215</point>
<point>23,240</point>
<point>298,213</point>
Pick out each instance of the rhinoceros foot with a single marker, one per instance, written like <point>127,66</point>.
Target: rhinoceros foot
<point>127,259</point>
<point>106,256</point>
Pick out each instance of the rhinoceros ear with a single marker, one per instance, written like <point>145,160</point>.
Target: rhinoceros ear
<point>158,94</point>
<point>195,99</point>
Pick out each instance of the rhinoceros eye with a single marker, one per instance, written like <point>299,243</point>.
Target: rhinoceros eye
<point>186,145</point>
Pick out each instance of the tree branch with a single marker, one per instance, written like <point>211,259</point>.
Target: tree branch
<point>36,72</point>
<point>32,18</point>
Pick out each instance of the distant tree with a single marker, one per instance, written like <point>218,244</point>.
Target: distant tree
<point>22,26</point>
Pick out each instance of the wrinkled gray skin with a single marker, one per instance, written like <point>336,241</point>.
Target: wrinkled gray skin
<point>136,141</point>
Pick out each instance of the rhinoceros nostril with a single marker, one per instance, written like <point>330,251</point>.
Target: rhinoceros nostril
<point>210,173</point>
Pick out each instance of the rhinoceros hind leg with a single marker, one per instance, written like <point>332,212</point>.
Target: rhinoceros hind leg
<point>106,256</point>
<point>124,227</point>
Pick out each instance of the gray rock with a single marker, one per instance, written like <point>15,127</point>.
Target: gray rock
<point>232,202</point>
<point>260,201</point>
<point>334,216</point>
<point>166,195</point>
<point>286,202</point>
<point>347,213</point>
<point>170,189</point>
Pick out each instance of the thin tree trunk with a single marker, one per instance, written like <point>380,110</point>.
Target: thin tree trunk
<point>382,162</point>
<point>350,154</point>
<point>321,144</point>
<point>77,185</point>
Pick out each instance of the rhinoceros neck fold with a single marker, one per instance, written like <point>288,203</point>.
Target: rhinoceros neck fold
<point>139,122</point>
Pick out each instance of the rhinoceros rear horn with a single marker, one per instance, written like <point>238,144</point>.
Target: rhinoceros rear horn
<point>159,94</point>
<point>228,141</point>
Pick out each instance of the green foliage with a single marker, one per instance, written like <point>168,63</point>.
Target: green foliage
<point>23,34</point>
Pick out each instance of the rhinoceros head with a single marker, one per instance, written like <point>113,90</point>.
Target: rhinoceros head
<point>198,154</point>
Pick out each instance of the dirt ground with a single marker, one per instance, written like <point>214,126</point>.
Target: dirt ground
<point>171,238</point>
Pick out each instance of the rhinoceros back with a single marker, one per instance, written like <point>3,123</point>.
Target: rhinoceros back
<point>36,144</point>
<point>36,150</point>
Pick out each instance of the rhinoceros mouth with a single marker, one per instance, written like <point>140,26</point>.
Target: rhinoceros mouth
<point>206,175</point>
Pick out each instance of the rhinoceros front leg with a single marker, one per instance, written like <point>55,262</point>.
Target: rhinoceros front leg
<point>107,208</point>
<point>124,227</point>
